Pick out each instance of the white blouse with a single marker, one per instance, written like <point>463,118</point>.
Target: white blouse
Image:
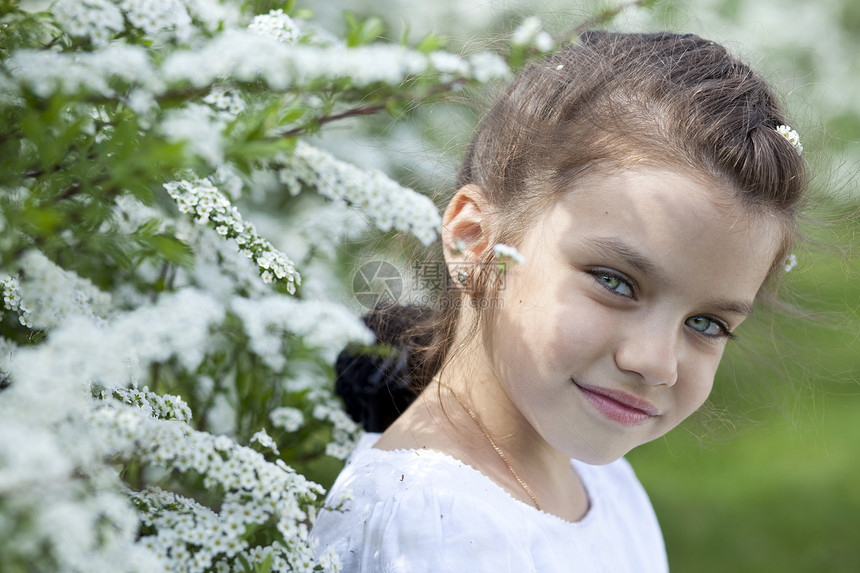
<point>421,510</point>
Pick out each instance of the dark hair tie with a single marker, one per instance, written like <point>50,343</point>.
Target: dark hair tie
<point>376,386</point>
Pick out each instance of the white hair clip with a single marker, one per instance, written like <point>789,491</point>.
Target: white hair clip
<point>792,137</point>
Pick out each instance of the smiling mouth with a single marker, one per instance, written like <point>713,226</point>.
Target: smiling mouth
<point>620,407</point>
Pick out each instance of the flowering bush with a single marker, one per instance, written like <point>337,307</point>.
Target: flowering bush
<point>163,369</point>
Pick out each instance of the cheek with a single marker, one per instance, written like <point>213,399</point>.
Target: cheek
<point>562,335</point>
<point>694,389</point>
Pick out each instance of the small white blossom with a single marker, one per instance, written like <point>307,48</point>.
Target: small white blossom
<point>266,441</point>
<point>226,101</point>
<point>326,327</point>
<point>276,25</point>
<point>530,33</point>
<point>289,419</point>
<point>51,294</point>
<point>792,136</point>
<point>142,103</point>
<point>526,31</point>
<point>46,73</point>
<point>330,561</point>
<point>487,67</point>
<point>158,17</point>
<point>388,203</point>
<point>163,406</point>
<point>97,20</point>
<point>345,432</point>
<point>449,65</point>
<point>504,252</point>
<point>790,262</point>
<point>200,197</point>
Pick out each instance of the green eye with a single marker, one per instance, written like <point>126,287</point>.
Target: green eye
<point>706,326</point>
<point>614,283</point>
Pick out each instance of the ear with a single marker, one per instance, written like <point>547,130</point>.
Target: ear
<point>465,226</point>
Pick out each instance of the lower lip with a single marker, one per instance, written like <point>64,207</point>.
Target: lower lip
<point>615,411</point>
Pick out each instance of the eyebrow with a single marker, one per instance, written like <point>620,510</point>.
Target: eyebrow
<point>628,253</point>
<point>635,258</point>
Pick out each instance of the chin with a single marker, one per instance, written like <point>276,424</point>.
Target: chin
<point>596,456</point>
<point>595,459</point>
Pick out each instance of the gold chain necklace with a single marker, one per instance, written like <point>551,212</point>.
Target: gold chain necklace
<point>498,450</point>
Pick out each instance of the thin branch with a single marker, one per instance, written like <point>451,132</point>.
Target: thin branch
<point>374,108</point>
<point>352,112</point>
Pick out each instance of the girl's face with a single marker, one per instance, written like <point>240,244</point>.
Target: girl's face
<point>612,329</point>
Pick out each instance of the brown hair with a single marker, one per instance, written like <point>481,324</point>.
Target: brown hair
<point>617,100</point>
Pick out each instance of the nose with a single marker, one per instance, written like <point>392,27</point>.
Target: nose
<point>652,353</point>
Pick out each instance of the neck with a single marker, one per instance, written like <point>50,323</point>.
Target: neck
<point>460,388</point>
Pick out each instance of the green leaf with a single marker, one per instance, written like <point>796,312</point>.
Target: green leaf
<point>170,248</point>
<point>45,219</point>
<point>360,32</point>
<point>430,43</point>
<point>265,566</point>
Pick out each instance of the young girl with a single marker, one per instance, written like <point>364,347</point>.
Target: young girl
<point>651,186</point>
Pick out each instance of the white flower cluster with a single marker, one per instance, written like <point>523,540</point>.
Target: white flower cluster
<point>158,18</point>
<point>324,326</point>
<point>201,198</point>
<point>200,128</point>
<point>56,491</point>
<point>12,300</point>
<point>243,55</point>
<point>214,14</point>
<point>487,66</point>
<point>276,25</point>
<point>218,264</point>
<point>97,20</point>
<point>185,519</point>
<point>449,65</point>
<point>162,406</point>
<point>49,294</point>
<point>266,441</point>
<point>286,418</point>
<point>80,352</point>
<point>47,73</point>
<point>530,33</point>
<point>227,102</point>
<point>191,536</point>
<point>345,434</point>
<point>247,56</point>
<point>325,229</point>
<point>54,524</point>
<point>100,20</point>
<point>792,136</point>
<point>386,202</point>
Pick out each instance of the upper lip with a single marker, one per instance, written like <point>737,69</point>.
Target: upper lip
<point>623,398</point>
